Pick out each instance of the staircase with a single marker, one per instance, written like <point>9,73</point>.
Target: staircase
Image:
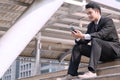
<point>105,71</point>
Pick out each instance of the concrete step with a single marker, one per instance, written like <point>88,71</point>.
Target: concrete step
<point>108,70</point>
<point>104,70</point>
<point>115,76</point>
<point>53,76</point>
<point>103,73</point>
<point>111,63</point>
<point>109,67</point>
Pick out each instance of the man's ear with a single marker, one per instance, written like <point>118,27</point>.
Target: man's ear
<point>96,10</point>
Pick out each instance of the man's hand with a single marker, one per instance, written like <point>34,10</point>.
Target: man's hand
<point>77,34</point>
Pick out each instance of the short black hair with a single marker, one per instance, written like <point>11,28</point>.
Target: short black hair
<point>93,5</point>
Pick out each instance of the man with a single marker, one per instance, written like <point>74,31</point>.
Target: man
<point>104,40</point>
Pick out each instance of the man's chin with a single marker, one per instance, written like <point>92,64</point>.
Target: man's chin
<point>91,19</point>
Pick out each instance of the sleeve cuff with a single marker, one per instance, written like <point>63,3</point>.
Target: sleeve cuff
<point>87,37</point>
<point>77,39</point>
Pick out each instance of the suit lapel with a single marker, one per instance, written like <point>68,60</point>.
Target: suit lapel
<point>99,24</point>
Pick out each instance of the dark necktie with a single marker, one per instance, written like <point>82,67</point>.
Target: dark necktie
<point>96,27</point>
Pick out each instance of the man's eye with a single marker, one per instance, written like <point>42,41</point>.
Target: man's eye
<point>90,12</point>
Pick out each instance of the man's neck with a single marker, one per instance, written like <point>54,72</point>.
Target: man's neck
<point>97,20</point>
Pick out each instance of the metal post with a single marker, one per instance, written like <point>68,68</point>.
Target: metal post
<point>37,69</point>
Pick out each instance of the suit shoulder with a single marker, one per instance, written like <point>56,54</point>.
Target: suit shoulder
<point>106,18</point>
<point>91,23</point>
<point>106,21</point>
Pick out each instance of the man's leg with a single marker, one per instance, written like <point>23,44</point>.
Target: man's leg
<point>100,50</point>
<point>77,51</point>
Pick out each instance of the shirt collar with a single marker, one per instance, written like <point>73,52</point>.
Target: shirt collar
<point>98,20</point>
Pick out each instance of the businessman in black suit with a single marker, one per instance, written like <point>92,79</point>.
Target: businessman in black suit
<point>104,40</point>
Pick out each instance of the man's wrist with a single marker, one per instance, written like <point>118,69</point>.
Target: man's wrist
<point>84,36</point>
<point>87,36</point>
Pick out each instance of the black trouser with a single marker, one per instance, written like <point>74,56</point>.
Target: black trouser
<point>99,50</point>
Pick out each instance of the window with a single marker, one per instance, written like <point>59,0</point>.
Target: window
<point>26,73</point>
<point>24,67</point>
<point>21,74</point>
<point>29,65</point>
<point>21,68</point>
<point>29,73</point>
<point>45,71</point>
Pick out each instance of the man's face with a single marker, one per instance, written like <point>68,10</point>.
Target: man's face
<point>92,14</point>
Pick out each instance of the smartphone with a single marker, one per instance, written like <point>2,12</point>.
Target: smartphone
<point>73,29</point>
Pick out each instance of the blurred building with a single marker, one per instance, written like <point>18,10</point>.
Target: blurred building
<point>24,67</point>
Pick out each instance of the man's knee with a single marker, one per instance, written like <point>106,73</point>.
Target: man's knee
<point>78,47</point>
<point>96,40</point>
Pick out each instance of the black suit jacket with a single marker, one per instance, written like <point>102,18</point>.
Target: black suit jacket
<point>105,31</point>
